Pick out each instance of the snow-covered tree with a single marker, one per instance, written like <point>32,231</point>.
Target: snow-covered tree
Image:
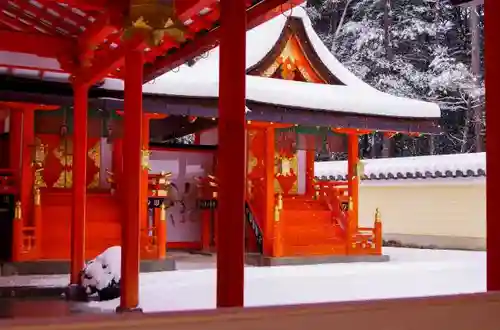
<point>413,48</point>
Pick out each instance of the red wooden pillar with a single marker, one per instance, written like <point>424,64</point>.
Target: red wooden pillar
<point>144,192</point>
<point>132,172</point>
<point>79,207</point>
<point>232,152</point>
<point>27,179</point>
<point>353,179</point>
<point>15,150</point>
<point>117,162</point>
<point>269,182</point>
<point>492,69</point>
<point>310,172</point>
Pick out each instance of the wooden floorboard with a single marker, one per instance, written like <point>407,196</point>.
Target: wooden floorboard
<point>461,312</point>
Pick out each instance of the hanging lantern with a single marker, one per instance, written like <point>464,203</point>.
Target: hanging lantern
<point>156,18</point>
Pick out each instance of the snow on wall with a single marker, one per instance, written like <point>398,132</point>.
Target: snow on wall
<point>468,164</point>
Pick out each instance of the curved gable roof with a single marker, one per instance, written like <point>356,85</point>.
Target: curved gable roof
<point>355,96</point>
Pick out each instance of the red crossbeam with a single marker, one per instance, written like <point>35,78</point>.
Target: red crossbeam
<point>37,44</point>
<point>206,42</point>
<point>82,4</point>
<point>187,9</point>
<point>93,36</point>
<point>113,59</point>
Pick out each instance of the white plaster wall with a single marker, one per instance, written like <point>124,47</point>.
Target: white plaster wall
<point>446,213</point>
<point>209,137</point>
<point>183,220</point>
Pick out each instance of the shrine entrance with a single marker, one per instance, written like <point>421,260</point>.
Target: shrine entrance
<point>6,223</point>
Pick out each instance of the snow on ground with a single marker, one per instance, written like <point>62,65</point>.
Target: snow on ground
<point>410,273</point>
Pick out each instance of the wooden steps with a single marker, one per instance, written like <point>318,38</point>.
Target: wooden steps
<point>308,228</point>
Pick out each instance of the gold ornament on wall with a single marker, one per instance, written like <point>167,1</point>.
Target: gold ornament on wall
<point>39,182</point>
<point>145,159</point>
<point>39,153</point>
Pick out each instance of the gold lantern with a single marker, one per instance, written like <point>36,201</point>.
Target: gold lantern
<point>156,18</point>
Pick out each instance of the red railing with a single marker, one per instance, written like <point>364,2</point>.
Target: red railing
<point>363,239</point>
<point>334,194</point>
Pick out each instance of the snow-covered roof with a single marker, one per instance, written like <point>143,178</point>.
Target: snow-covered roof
<point>201,80</point>
<point>438,166</point>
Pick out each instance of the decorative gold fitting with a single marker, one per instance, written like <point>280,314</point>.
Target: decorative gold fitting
<point>18,211</point>
<point>351,204</point>
<point>38,178</point>
<point>359,170</point>
<point>377,215</point>
<point>280,202</point>
<point>38,155</point>
<point>145,159</point>
<point>163,212</point>
<point>165,178</point>
<point>37,197</point>
<point>162,192</point>
<point>276,213</point>
<point>214,194</point>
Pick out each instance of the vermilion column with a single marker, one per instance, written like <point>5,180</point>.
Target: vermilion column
<point>144,191</point>
<point>353,178</point>
<point>78,211</point>
<point>269,181</point>
<point>27,178</point>
<point>310,172</point>
<point>230,227</point>
<point>492,40</point>
<point>15,149</point>
<point>117,162</point>
<point>132,172</point>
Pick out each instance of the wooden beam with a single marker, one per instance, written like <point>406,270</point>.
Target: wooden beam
<point>37,44</point>
<point>83,5</point>
<point>112,60</point>
<point>206,42</point>
<point>95,35</point>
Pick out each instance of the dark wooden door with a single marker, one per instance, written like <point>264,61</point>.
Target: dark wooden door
<point>6,223</point>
